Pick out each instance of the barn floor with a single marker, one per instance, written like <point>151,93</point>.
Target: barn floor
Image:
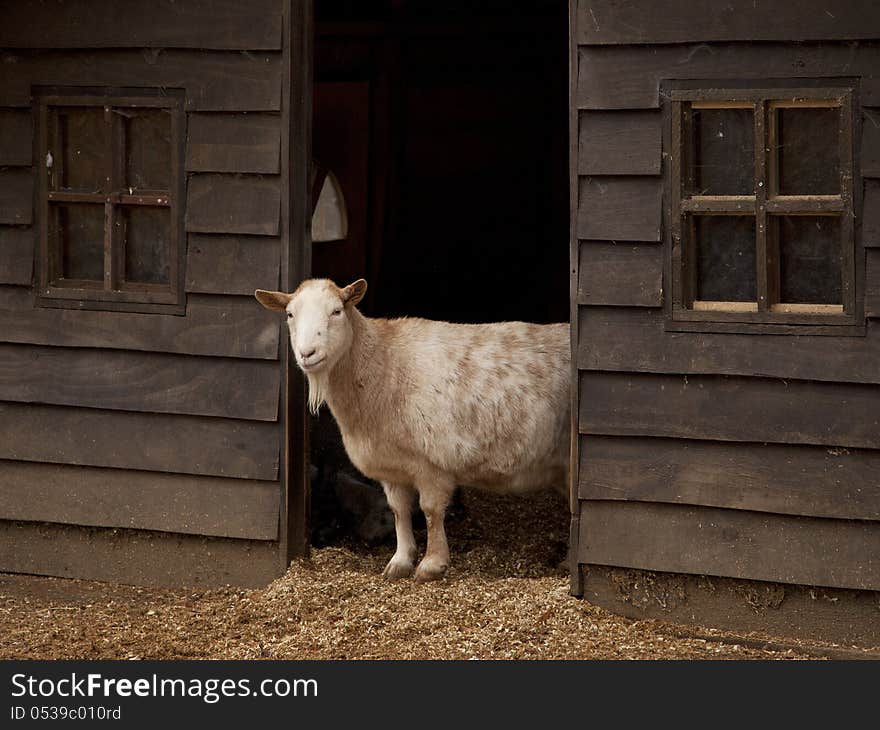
<point>504,598</point>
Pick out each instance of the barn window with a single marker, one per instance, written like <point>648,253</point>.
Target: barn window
<point>761,209</point>
<point>110,199</point>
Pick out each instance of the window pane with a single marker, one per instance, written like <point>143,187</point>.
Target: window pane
<point>78,233</point>
<point>809,151</point>
<point>147,148</point>
<point>147,234</point>
<point>724,152</point>
<point>725,249</point>
<point>78,144</point>
<point>810,266</point>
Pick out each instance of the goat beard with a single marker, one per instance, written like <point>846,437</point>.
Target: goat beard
<point>317,390</point>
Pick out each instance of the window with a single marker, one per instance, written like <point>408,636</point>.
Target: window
<point>760,195</point>
<point>110,199</point>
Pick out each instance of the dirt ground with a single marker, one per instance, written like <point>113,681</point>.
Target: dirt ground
<point>504,598</point>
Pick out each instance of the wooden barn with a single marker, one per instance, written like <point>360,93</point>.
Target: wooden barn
<point>715,172</point>
<point>725,285</point>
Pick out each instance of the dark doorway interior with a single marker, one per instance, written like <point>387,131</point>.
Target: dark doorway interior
<point>447,127</point>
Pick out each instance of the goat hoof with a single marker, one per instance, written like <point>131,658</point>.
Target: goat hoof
<point>397,569</point>
<point>430,570</point>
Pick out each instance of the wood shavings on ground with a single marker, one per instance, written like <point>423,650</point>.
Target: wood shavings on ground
<point>504,598</point>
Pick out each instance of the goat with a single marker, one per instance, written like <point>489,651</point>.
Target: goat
<point>425,405</point>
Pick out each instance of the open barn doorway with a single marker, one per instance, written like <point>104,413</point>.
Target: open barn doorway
<point>446,126</point>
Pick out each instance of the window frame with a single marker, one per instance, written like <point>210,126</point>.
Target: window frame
<point>115,294</point>
<point>765,97</point>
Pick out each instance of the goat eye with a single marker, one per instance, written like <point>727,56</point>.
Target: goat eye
<point>290,315</point>
<point>336,312</point>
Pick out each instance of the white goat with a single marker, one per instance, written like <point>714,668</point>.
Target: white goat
<point>424,406</point>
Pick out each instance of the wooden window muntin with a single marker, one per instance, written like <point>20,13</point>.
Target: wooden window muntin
<point>114,292</point>
<point>766,202</point>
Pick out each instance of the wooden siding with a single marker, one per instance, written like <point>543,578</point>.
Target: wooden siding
<point>733,543</point>
<point>138,557</point>
<point>191,505</point>
<point>677,21</point>
<point>743,455</point>
<point>146,437</point>
<point>220,24</point>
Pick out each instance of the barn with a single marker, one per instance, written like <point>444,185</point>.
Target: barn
<point>713,171</point>
<point>725,282</point>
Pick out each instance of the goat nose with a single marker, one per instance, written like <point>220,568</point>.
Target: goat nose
<point>306,354</point>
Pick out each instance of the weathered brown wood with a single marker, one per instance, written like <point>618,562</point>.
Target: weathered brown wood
<point>727,408</point>
<point>620,274</point>
<point>16,138</point>
<point>213,325</point>
<point>619,143</point>
<point>628,77</point>
<point>234,204</point>
<point>619,208</point>
<point>136,557</point>
<point>232,264</point>
<point>872,283</point>
<point>254,25</point>
<point>77,495</point>
<point>150,442</point>
<point>16,196</point>
<point>16,255</point>
<point>636,340</point>
<point>794,480</point>
<point>734,543</point>
<point>140,381</point>
<point>843,617</point>
<point>213,80</point>
<point>234,143</point>
<point>870,159</point>
<point>676,21</point>
<point>871,214</point>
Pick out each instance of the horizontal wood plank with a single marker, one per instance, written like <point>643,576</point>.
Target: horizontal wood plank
<point>727,408</point>
<point>635,340</point>
<point>683,21</point>
<point>619,143</point>
<point>628,77</point>
<point>79,495</point>
<point>872,283</point>
<point>234,143</point>
<point>213,80</point>
<point>16,137</point>
<point>16,255</point>
<point>733,543</point>
<point>794,480</point>
<point>146,441</point>
<point>870,158</point>
<point>232,264</point>
<point>16,196</point>
<point>229,24</point>
<point>234,204</point>
<point>620,274</point>
<point>137,557</point>
<point>140,381</point>
<point>224,326</point>
<point>619,208</point>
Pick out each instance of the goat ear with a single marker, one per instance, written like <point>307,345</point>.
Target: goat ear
<point>277,301</point>
<point>353,293</point>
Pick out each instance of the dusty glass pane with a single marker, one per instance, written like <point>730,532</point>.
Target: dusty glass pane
<point>147,148</point>
<point>147,235</point>
<point>725,249</point>
<point>809,151</point>
<point>810,259</point>
<point>77,232</point>
<point>724,152</point>
<point>78,146</point>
